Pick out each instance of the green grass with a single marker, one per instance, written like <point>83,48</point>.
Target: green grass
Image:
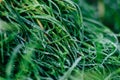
<point>55,39</point>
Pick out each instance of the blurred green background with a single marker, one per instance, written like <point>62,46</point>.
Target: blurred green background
<point>106,11</point>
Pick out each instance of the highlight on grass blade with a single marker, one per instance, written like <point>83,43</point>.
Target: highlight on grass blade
<point>4,27</point>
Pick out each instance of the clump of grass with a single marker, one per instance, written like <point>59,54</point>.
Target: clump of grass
<point>50,39</point>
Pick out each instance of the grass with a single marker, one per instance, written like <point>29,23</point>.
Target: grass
<point>55,39</point>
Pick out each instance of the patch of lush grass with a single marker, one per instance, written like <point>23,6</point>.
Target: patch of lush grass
<point>52,39</point>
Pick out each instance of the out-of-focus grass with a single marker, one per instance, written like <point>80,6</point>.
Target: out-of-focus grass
<point>107,10</point>
<point>51,39</point>
<point>96,73</point>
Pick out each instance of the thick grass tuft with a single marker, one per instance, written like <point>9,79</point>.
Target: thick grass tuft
<point>47,40</point>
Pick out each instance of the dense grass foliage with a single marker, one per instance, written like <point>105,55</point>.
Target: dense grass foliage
<point>55,39</point>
